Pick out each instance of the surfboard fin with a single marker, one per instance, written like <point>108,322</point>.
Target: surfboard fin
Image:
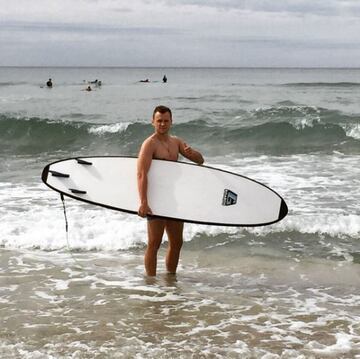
<point>83,162</point>
<point>77,191</point>
<point>59,174</point>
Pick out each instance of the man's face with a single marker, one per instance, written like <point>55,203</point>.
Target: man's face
<point>162,122</point>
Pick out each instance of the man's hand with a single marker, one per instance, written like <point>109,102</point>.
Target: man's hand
<point>144,210</point>
<point>188,150</point>
<point>191,154</point>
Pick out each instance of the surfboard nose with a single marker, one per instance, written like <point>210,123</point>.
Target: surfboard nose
<point>283,210</point>
<point>44,174</point>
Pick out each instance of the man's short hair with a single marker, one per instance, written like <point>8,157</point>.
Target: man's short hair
<point>162,109</point>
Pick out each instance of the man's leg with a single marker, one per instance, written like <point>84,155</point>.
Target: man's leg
<point>155,233</point>
<point>174,230</point>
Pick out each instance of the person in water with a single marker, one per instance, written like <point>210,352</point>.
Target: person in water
<point>164,79</point>
<point>49,83</point>
<point>161,145</point>
<point>96,82</point>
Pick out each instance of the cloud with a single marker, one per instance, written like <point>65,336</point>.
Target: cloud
<point>84,28</point>
<point>291,44</point>
<point>298,7</point>
<point>180,32</point>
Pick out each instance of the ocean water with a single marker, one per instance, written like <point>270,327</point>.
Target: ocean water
<point>289,290</point>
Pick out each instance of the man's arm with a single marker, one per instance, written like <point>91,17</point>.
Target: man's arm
<point>143,166</point>
<point>190,153</point>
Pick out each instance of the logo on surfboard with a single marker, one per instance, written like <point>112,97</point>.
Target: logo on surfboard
<point>229,198</point>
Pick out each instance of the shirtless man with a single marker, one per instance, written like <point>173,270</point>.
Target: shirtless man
<point>161,145</point>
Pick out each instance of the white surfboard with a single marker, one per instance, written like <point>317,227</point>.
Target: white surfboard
<point>176,190</point>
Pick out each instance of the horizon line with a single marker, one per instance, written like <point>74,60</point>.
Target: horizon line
<point>185,67</point>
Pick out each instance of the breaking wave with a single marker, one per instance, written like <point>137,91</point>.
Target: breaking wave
<point>289,134</point>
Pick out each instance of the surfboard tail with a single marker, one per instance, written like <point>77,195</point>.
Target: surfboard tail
<point>283,210</point>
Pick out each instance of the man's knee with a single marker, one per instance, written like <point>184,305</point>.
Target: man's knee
<point>174,231</point>
<point>177,241</point>
<point>176,245</point>
<point>154,245</point>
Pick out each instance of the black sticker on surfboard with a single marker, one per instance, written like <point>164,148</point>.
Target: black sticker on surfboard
<point>229,198</point>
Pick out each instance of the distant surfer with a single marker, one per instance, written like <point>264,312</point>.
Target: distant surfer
<point>146,80</point>
<point>49,84</point>
<point>164,79</point>
<point>87,89</point>
<point>95,82</point>
<point>161,145</point>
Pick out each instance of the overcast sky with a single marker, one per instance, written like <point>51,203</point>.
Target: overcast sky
<point>229,33</point>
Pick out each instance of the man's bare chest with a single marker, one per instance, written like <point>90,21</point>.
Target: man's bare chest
<point>166,150</point>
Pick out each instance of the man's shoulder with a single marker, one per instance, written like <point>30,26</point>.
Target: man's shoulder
<point>179,141</point>
<point>176,139</point>
<point>149,141</point>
